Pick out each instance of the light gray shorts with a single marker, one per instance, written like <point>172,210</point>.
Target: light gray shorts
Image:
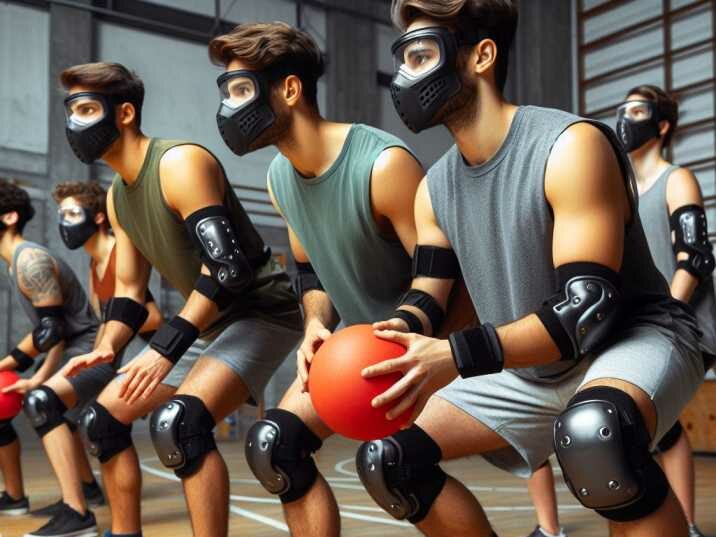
<point>523,411</point>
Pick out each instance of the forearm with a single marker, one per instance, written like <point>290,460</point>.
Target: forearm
<point>100,334</point>
<point>460,311</point>
<point>199,311</point>
<point>317,307</point>
<point>526,343</point>
<point>683,285</point>
<point>114,336</point>
<point>51,363</point>
<point>153,320</point>
<point>25,346</point>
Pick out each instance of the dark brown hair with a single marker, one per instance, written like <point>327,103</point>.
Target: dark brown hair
<point>667,106</point>
<point>111,79</point>
<point>90,194</point>
<point>263,45</point>
<point>15,199</point>
<point>498,18</point>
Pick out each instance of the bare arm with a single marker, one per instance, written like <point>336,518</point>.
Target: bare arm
<point>154,320</point>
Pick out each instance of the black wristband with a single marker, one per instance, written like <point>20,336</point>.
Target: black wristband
<point>24,362</point>
<point>427,304</point>
<point>414,323</point>
<point>211,289</point>
<point>477,351</point>
<point>126,311</point>
<point>174,338</point>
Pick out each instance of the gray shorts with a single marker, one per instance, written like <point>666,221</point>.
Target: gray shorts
<point>523,411</point>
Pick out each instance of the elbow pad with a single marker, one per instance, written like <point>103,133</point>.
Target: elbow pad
<point>691,236</point>
<point>581,317</point>
<point>50,329</point>
<point>213,232</point>
<point>126,311</point>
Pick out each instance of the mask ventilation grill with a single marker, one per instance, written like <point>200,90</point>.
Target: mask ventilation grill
<point>249,121</point>
<point>430,92</point>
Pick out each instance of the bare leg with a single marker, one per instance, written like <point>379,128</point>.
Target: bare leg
<point>678,464</point>
<point>83,463</point>
<point>669,518</point>
<point>11,469</point>
<point>544,498</point>
<point>456,512</point>
<point>121,475</point>
<point>316,513</point>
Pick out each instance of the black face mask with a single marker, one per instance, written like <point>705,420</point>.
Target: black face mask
<point>633,133</point>
<point>75,235</point>
<point>245,111</point>
<point>90,139</point>
<point>426,76</point>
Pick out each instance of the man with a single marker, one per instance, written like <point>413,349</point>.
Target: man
<point>171,207</point>
<point>57,305</point>
<point>528,201</point>
<point>671,209</point>
<point>346,193</point>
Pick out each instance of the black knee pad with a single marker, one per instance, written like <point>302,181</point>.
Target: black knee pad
<point>279,451</point>
<point>670,439</point>
<point>401,473</point>
<point>7,433</point>
<point>182,434</point>
<point>44,409</point>
<point>602,445</point>
<point>104,435</point>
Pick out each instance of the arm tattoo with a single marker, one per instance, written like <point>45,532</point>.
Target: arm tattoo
<point>37,277</point>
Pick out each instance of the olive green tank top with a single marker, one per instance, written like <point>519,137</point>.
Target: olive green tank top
<point>162,238</point>
<point>363,273</point>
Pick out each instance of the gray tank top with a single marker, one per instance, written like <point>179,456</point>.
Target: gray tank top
<point>500,226</point>
<point>654,215</point>
<point>78,314</point>
<point>363,273</point>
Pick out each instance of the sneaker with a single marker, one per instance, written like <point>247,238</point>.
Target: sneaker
<point>48,511</point>
<point>11,507</point>
<point>539,532</point>
<point>694,531</point>
<point>93,494</point>
<point>68,523</point>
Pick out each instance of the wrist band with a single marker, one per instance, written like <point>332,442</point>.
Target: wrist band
<point>477,351</point>
<point>414,324</point>
<point>126,311</point>
<point>174,338</point>
<point>24,362</point>
<point>210,288</point>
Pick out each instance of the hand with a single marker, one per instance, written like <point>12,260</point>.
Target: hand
<point>316,334</point>
<point>22,386</point>
<point>395,324</point>
<point>143,375</point>
<point>427,366</point>
<point>79,363</point>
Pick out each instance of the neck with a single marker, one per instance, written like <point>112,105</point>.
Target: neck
<point>99,245</point>
<point>647,162</point>
<point>479,139</point>
<point>127,157</point>
<point>8,244</point>
<point>312,144</point>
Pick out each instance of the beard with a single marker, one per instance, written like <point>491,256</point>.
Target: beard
<point>277,130</point>
<point>460,110</point>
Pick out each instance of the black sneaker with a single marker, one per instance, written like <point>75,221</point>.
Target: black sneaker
<point>68,523</point>
<point>93,494</point>
<point>11,507</point>
<point>48,511</point>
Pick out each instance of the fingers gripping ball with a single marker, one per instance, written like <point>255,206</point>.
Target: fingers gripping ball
<point>10,403</point>
<point>341,395</point>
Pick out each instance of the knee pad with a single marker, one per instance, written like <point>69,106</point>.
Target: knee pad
<point>279,451</point>
<point>182,434</point>
<point>401,473</point>
<point>7,433</point>
<point>103,435</point>
<point>670,439</point>
<point>44,409</point>
<point>602,445</point>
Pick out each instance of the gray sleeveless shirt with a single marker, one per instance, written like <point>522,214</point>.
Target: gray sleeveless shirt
<point>78,315</point>
<point>654,215</point>
<point>500,225</point>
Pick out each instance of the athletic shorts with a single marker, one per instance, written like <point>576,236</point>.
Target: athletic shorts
<point>523,411</point>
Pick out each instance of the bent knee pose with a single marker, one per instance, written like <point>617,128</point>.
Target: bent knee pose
<point>65,325</point>
<point>346,193</point>
<point>672,212</point>
<point>580,344</point>
<point>171,207</point>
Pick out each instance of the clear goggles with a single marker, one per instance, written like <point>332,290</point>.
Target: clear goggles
<point>636,110</point>
<point>238,88</point>
<point>86,109</point>
<point>418,56</point>
<point>72,215</point>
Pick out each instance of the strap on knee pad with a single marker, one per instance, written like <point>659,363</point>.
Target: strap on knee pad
<point>602,445</point>
<point>279,452</point>
<point>104,435</point>
<point>401,473</point>
<point>182,434</point>
<point>44,409</point>
<point>670,439</point>
<point>7,433</point>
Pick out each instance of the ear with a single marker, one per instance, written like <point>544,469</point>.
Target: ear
<point>10,219</point>
<point>664,127</point>
<point>126,114</point>
<point>292,90</point>
<point>484,56</point>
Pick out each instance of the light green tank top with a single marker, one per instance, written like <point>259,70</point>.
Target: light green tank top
<point>363,273</point>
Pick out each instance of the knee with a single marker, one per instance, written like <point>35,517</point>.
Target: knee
<point>104,435</point>
<point>279,450</point>
<point>402,474</point>
<point>182,434</point>
<point>602,445</point>
<point>45,410</point>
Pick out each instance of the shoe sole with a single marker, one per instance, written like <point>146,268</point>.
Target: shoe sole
<point>86,532</point>
<point>15,512</point>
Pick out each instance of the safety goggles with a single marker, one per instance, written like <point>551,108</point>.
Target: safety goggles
<point>637,110</point>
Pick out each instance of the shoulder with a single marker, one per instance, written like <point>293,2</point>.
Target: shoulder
<point>394,160</point>
<point>682,188</point>
<point>35,262</point>
<point>579,139</point>
<point>366,131</point>
<point>187,156</point>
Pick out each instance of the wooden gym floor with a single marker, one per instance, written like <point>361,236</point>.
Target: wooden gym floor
<point>256,514</point>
